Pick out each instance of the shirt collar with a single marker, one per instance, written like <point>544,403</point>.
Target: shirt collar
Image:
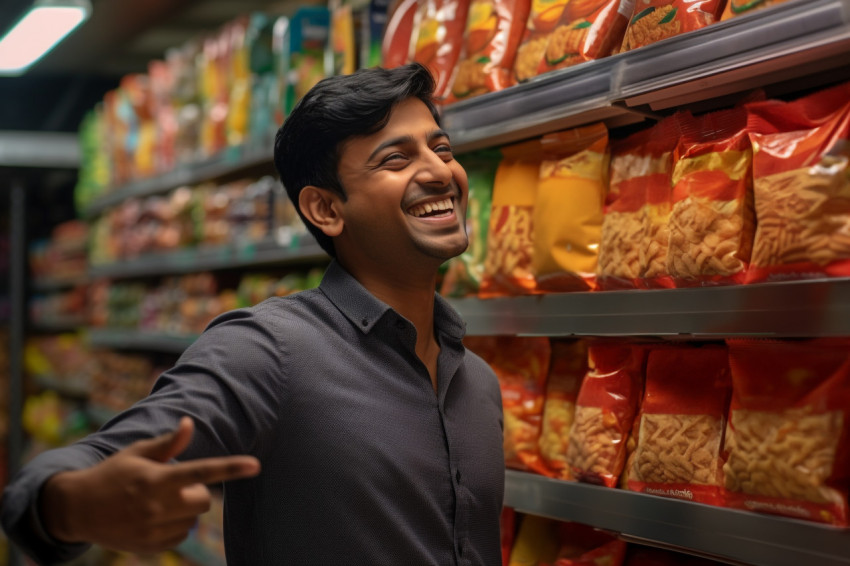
<point>363,309</point>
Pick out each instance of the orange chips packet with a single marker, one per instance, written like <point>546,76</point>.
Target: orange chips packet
<point>786,447</point>
<point>439,38</point>
<point>681,422</point>
<point>801,183</point>
<point>586,30</point>
<point>654,20</point>
<point>740,7</point>
<point>522,366</point>
<point>542,19</point>
<point>712,221</point>
<point>605,410</point>
<point>493,31</point>
<point>566,372</point>
<point>508,269</point>
<point>568,209</point>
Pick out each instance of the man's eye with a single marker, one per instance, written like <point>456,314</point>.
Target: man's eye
<point>392,158</point>
<point>443,149</point>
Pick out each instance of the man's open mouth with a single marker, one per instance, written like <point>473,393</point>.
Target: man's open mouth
<point>431,209</point>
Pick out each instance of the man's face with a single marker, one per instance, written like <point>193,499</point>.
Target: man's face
<point>406,193</point>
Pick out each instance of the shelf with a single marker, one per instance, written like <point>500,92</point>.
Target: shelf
<point>781,309</point>
<point>59,324</point>
<point>128,339</point>
<point>47,284</point>
<point>781,43</point>
<point>719,533</point>
<point>229,162</point>
<point>192,260</point>
<point>63,387</point>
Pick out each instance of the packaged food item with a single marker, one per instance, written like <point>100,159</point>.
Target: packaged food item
<point>681,422</point>
<point>214,64</point>
<point>801,182</point>
<point>494,29</point>
<point>583,545</point>
<point>567,215</point>
<point>342,40</point>
<point>739,7</point>
<point>439,39</point>
<point>586,30</point>
<point>464,273</point>
<point>510,236</point>
<point>400,34</point>
<point>542,19</point>
<point>239,78</point>
<point>508,527</point>
<point>302,40</point>
<point>712,223</point>
<point>605,410</point>
<point>370,29</point>
<point>785,450</point>
<point>566,372</point>
<point>654,20</point>
<point>522,366</point>
<point>536,541</point>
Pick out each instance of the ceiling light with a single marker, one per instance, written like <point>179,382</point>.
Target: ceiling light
<point>45,25</point>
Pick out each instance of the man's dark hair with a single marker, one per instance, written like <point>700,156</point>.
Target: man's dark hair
<point>307,145</point>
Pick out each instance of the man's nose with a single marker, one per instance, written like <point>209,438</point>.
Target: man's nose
<point>434,171</point>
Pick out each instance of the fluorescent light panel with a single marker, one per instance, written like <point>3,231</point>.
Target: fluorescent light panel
<point>44,26</point>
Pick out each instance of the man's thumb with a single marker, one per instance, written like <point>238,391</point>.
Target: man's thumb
<point>166,446</point>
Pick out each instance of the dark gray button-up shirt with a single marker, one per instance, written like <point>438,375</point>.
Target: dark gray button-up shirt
<point>362,463</point>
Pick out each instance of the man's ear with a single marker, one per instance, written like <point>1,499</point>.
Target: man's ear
<point>319,206</point>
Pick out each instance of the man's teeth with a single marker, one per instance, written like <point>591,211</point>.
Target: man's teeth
<point>432,207</point>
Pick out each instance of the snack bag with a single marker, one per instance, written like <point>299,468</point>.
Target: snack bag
<point>583,545</point>
<point>605,410</point>
<point>522,366</point>
<point>739,7</point>
<point>536,543</point>
<point>801,182</point>
<point>566,372</point>
<point>439,39</point>
<point>542,19</point>
<point>586,30</point>
<point>712,222</point>
<point>342,38</point>
<point>302,41</point>
<point>464,273</point>
<point>239,78</point>
<point>681,422</point>
<point>507,523</point>
<point>399,35</point>
<point>508,269</point>
<point>568,209</point>
<point>654,20</point>
<point>785,450</point>
<point>493,31</point>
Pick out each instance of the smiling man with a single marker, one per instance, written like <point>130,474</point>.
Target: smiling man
<point>348,423</point>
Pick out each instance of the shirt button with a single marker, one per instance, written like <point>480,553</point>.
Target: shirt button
<point>399,324</point>
<point>365,322</point>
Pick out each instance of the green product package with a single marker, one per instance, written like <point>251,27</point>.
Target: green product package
<point>463,273</point>
<point>302,43</point>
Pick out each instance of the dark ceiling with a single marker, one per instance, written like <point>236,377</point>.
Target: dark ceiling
<point>120,37</point>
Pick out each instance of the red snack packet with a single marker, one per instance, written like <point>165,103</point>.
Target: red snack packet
<point>583,545</point>
<point>605,410</point>
<point>654,20</point>
<point>493,32</point>
<point>522,366</point>
<point>786,447</point>
<point>397,43</point>
<point>801,182</point>
<point>712,222</point>
<point>566,372</point>
<point>681,422</point>
<point>439,39</point>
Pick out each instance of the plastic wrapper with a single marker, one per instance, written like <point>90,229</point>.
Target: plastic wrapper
<point>439,39</point>
<point>494,29</point>
<point>542,19</point>
<point>654,20</point>
<point>712,222</point>
<point>510,236</point>
<point>587,30</point>
<point>679,430</point>
<point>566,372</point>
<point>302,41</point>
<point>606,407</point>
<point>567,214</point>
<point>400,34</point>
<point>735,8</point>
<point>522,366</point>
<point>239,79</point>
<point>801,182</point>
<point>464,273</point>
<point>786,442</point>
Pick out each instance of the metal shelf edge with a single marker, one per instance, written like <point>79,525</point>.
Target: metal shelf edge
<point>139,340</point>
<point>717,532</point>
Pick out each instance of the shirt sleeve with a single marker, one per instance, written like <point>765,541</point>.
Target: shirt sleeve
<point>229,382</point>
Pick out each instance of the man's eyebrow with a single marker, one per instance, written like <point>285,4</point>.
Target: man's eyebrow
<point>401,140</point>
